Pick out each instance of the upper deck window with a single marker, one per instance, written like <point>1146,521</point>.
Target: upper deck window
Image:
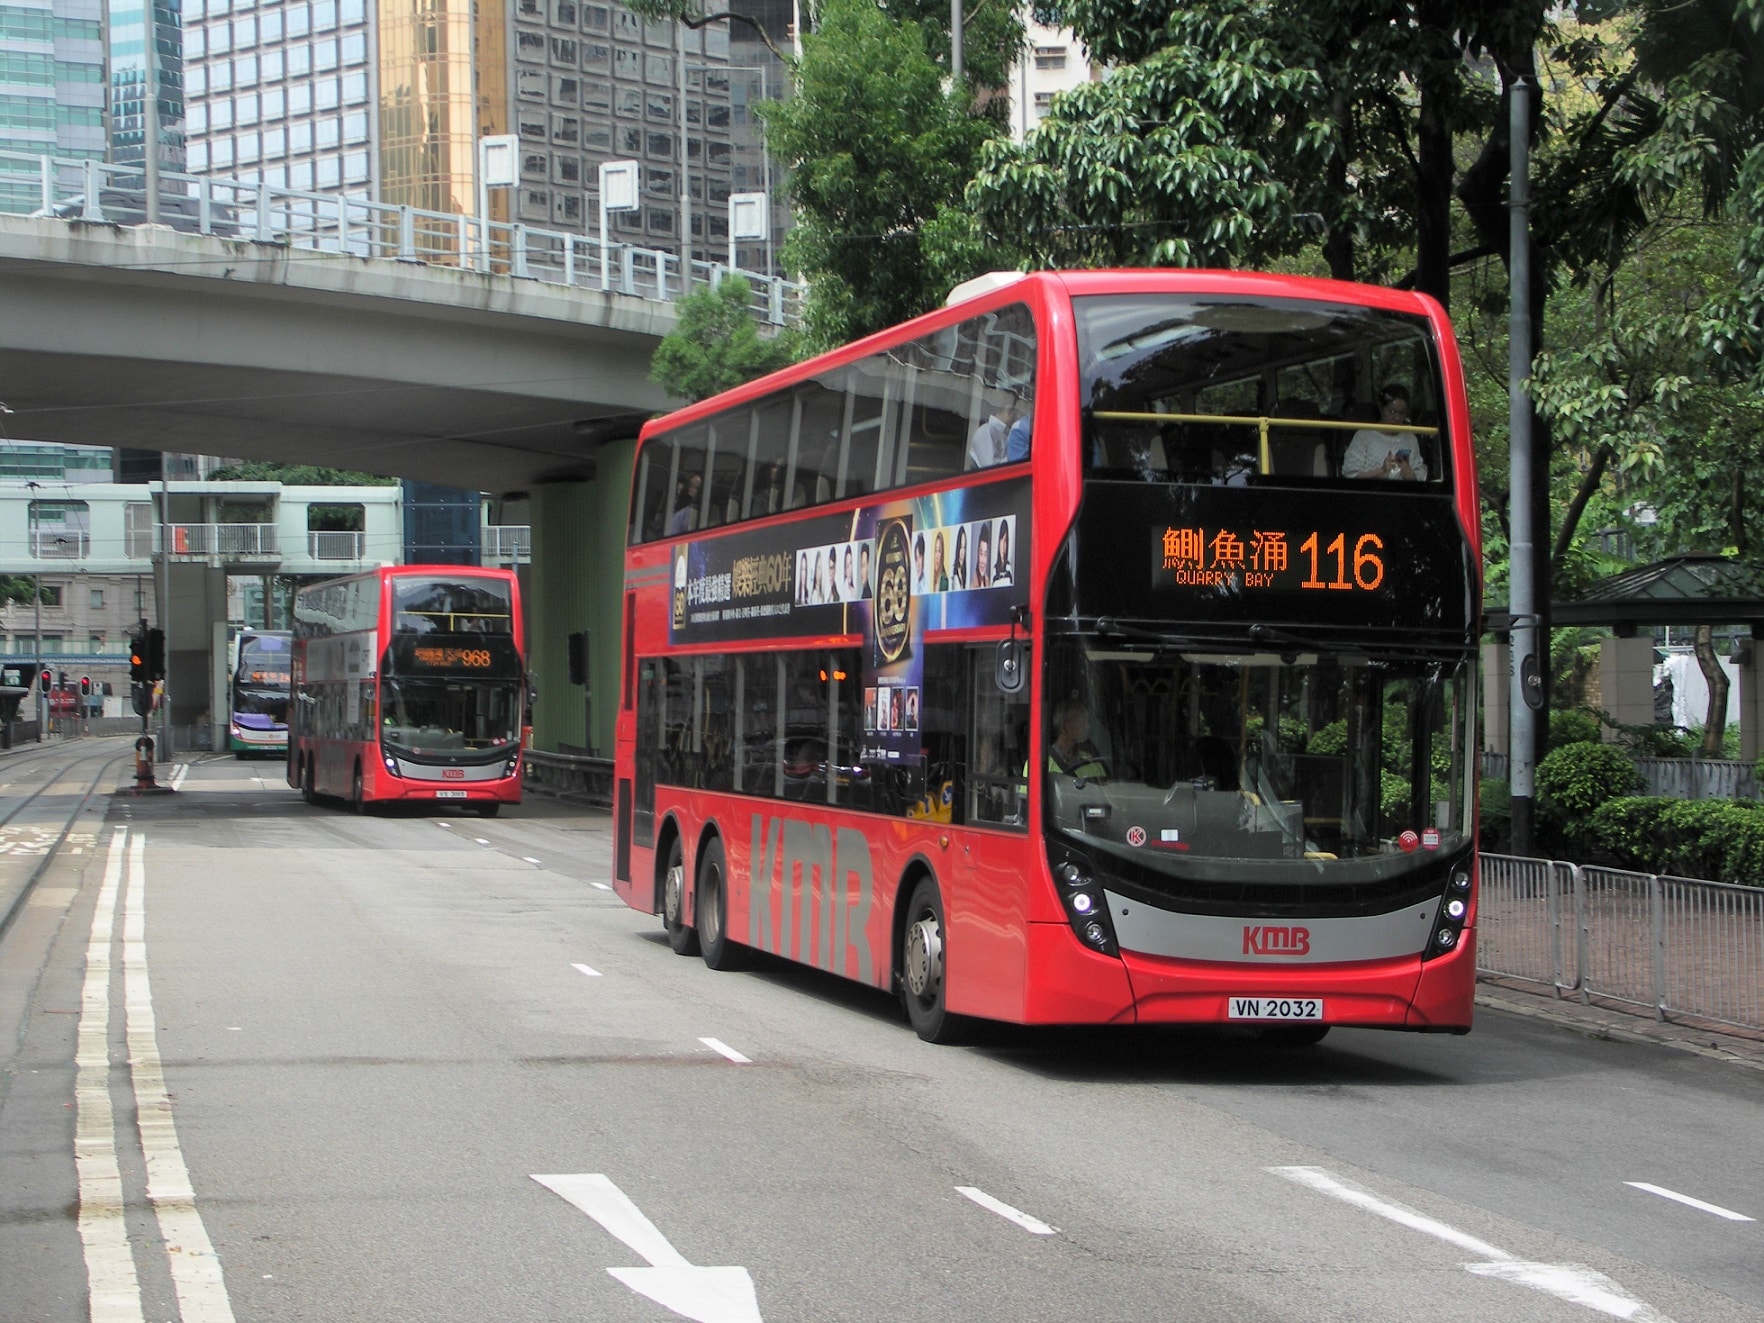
<point>919,411</point>
<point>451,606</point>
<point>1226,390</point>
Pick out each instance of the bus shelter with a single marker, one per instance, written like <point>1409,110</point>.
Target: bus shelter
<point>1685,591</point>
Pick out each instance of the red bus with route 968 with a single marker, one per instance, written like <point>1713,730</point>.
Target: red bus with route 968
<point>1100,648</point>
<point>409,684</point>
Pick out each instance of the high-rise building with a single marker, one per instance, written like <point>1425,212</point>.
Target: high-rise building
<point>131,61</point>
<point>51,89</point>
<point>389,102</point>
<point>1054,61</point>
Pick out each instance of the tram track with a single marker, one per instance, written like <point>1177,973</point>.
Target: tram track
<point>107,761</point>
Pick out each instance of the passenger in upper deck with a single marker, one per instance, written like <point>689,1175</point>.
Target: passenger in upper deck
<point>1382,454</point>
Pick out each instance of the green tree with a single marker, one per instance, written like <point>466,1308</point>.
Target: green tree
<point>879,153</point>
<point>19,589</point>
<point>297,475</point>
<point>715,343</point>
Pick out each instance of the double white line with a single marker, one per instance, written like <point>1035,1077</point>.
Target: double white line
<point>115,1289</point>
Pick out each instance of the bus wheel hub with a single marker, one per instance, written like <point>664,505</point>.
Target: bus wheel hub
<point>924,957</point>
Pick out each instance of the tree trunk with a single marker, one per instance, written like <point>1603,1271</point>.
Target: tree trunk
<point>1338,244</point>
<point>1715,722</point>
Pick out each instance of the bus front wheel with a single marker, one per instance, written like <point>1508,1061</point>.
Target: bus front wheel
<point>356,802</point>
<point>681,935</point>
<point>924,974</point>
<point>306,791</point>
<point>712,906</point>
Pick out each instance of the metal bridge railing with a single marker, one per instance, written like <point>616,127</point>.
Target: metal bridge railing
<point>1671,945</point>
<point>97,192</point>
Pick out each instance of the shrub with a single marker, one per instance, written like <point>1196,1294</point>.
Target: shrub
<point>1720,839</point>
<point>1495,820</point>
<point>1575,779</point>
<point>1573,726</point>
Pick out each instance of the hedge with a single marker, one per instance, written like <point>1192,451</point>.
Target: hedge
<point>1718,839</point>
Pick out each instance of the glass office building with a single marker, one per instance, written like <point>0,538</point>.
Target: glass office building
<point>130,61</point>
<point>51,90</point>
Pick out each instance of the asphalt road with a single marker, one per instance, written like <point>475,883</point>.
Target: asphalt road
<point>375,1032</point>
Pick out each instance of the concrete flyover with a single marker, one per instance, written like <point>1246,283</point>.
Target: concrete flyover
<point>150,337</point>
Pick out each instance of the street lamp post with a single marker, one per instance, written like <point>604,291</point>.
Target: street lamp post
<point>37,641</point>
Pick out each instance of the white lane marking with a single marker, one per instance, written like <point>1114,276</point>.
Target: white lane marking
<point>1033,1225</point>
<point>708,1295</point>
<point>602,886</point>
<point>195,1267</point>
<point>718,1045</point>
<point>1572,1282</point>
<point>1689,1202</point>
<point>526,860</point>
<point>113,1288</point>
<point>591,973</point>
<point>480,840</point>
<point>178,776</point>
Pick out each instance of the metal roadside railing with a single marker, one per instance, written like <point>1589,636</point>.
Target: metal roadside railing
<point>98,192</point>
<point>1678,947</point>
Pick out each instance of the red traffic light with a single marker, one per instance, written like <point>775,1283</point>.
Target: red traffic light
<point>86,685</point>
<point>48,679</point>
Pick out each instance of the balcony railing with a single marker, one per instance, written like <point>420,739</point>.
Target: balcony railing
<point>332,545</point>
<point>244,541</point>
<point>507,544</point>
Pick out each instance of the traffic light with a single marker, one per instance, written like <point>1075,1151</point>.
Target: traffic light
<point>85,686</point>
<point>48,679</point>
<point>137,658</point>
<point>63,684</point>
<point>156,654</point>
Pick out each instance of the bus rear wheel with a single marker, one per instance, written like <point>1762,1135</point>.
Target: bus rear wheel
<point>356,803</point>
<point>681,935</point>
<point>924,974</point>
<point>306,791</point>
<point>712,911</point>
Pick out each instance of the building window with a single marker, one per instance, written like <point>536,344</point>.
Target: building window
<point>661,146</point>
<point>275,104</point>
<point>354,89</point>
<point>297,20</point>
<point>327,93</point>
<point>566,208</point>
<point>220,115</point>
<point>596,56</point>
<point>658,69</point>
<point>327,134</point>
<point>300,98</point>
<point>245,109</point>
<point>529,9</point>
<point>324,54</point>
<point>566,129</point>
<point>566,92</point>
<point>220,39</point>
<point>299,61</point>
<point>355,168</point>
<point>354,48</point>
<point>197,155</point>
<point>563,51</point>
<point>270,25</point>
<point>1043,104</point>
<point>300,174</point>
<point>300,140</point>
<point>275,142</point>
<point>530,45</point>
<point>659,220</point>
<point>531,124</point>
<point>596,97</point>
<point>564,13</point>
<point>324,15</point>
<point>630,101</point>
<point>530,83</point>
<point>196,119</point>
<point>534,165</point>
<point>272,66</point>
<point>566,170</point>
<point>355,127</point>
<point>195,43</point>
<point>96,600</point>
<point>627,64</point>
<point>630,140</point>
<point>329,171</point>
<point>196,82</point>
<point>220,77</point>
<point>594,18</point>
<point>247,147</point>
<point>244,32</point>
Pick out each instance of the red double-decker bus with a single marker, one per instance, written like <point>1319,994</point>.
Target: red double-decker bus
<point>1098,649</point>
<point>409,684</point>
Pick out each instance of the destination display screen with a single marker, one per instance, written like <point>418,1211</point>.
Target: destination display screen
<point>1174,551</point>
<point>465,655</point>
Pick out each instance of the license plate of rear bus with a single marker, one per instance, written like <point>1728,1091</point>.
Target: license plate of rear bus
<point>450,794</point>
<point>1274,1008</point>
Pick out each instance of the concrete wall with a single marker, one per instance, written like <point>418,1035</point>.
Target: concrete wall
<point>576,580</point>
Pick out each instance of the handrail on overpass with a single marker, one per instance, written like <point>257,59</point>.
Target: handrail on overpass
<point>101,193</point>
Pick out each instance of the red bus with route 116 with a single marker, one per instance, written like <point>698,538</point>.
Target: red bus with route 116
<point>409,684</point>
<point>1100,648</point>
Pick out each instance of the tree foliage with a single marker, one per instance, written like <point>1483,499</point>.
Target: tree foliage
<point>715,343</point>
<point>297,475</point>
<point>879,153</point>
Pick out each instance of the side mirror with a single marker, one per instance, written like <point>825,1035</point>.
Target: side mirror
<point>1010,671</point>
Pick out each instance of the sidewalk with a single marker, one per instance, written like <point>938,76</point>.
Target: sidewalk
<point>1739,1047</point>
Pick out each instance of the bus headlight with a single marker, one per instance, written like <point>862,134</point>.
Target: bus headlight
<point>391,764</point>
<point>1454,909</point>
<point>1086,909</point>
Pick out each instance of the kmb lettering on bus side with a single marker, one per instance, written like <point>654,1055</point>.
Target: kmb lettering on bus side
<point>822,918</point>
<point>1263,940</point>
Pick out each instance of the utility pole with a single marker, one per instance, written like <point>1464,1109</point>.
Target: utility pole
<point>1525,693</point>
<point>955,42</point>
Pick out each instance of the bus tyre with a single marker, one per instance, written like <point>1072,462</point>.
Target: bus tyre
<point>712,911</point>
<point>924,974</point>
<point>306,791</point>
<point>356,803</point>
<point>681,935</point>
<point>489,810</point>
<point>1292,1035</point>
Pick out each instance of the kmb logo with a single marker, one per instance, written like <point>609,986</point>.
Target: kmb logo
<point>1265,941</point>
